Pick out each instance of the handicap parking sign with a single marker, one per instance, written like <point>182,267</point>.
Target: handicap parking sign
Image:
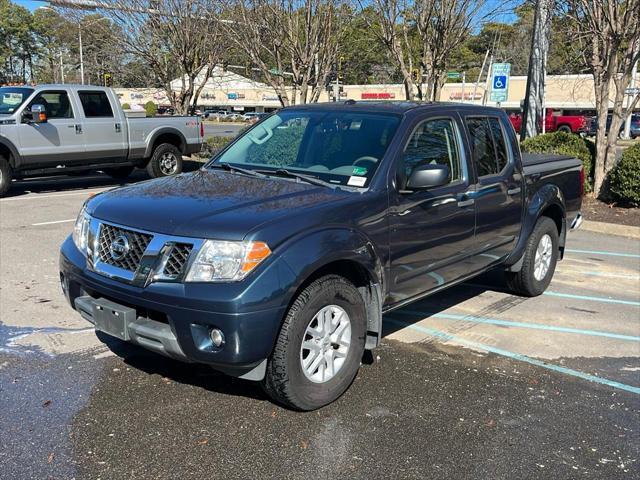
<point>500,82</point>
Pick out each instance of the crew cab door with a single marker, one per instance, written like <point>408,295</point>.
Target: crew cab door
<point>59,140</point>
<point>431,231</point>
<point>498,191</point>
<point>104,131</point>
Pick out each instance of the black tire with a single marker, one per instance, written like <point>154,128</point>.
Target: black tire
<point>285,382</point>
<point>119,172</point>
<point>6,175</point>
<point>565,129</point>
<point>156,168</point>
<point>525,282</point>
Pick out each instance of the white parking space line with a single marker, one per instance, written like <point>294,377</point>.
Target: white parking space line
<point>38,197</point>
<point>53,222</point>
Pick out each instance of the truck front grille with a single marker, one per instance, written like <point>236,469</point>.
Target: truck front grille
<point>177,259</point>
<point>137,243</point>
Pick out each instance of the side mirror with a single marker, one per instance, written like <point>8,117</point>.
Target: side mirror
<point>428,176</point>
<point>38,114</point>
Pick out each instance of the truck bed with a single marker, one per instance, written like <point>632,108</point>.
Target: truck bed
<point>529,159</point>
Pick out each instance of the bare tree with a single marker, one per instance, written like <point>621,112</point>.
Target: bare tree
<point>289,38</point>
<point>608,32</point>
<point>176,39</point>
<point>421,35</point>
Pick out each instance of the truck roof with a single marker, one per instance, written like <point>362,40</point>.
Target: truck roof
<point>66,86</point>
<point>397,107</point>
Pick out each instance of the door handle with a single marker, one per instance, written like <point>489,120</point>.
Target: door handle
<point>118,128</point>
<point>514,191</point>
<point>78,129</point>
<point>465,200</point>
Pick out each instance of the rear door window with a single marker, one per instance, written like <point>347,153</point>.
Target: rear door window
<point>95,104</point>
<point>487,144</point>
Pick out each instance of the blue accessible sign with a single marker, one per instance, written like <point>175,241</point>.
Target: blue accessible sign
<point>500,82</point>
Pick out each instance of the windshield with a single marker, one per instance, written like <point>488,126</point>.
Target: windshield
<point>11,98</point>
<point>340,147</point>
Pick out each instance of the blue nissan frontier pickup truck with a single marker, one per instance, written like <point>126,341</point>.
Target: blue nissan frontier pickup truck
<point>276,261</point>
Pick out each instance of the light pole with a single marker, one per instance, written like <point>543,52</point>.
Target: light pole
<point>80,25</point>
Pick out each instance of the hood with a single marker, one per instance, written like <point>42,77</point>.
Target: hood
<point>208,203</point>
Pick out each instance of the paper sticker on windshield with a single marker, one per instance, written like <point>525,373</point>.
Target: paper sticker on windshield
<point>357,181</point>
<point>359,171</point>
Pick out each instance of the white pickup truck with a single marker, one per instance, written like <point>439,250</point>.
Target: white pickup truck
<point>54,129</point>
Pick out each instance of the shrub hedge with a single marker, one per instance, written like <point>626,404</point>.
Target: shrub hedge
<point>562,143</point>
<point>624,179</point>
<point>151,109</point>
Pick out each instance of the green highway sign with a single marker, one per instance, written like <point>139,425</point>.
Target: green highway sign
<point>453,75</point>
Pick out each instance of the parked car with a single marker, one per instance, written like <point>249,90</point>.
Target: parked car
<point>276,261</point>
<point>54,129</point>
<point>634,131</point>
<point>555,122</point>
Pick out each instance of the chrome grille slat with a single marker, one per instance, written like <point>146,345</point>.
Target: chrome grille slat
<point>138,244</point>
<point>177,259</point>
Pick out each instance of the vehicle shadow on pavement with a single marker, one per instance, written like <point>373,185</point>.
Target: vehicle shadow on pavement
<point>82,181</point>
<point>196,375</point>
<point>437,303</point>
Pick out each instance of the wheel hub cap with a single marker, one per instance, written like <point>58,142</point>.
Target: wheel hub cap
<point>168,164</point>
<point>326,343</point>
<point>542,260</point>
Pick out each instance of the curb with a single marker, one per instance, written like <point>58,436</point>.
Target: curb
<point>611,229</point>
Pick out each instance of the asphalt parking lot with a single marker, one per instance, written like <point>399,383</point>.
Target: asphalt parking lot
<point>470,383</point>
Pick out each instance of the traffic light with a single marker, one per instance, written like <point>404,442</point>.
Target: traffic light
<point>415,75</point>
<point>108,80</point>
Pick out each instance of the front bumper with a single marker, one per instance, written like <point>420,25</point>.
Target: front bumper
<point>174,319</point>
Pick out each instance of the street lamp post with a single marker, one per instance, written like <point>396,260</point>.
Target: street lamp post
<point>81,53</point>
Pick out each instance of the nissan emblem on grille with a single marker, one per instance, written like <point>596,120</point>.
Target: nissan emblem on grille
<point>119,247</point>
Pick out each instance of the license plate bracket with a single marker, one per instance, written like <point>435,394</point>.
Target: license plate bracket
<point>113,318</point>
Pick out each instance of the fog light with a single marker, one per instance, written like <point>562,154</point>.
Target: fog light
<point>216,337</point>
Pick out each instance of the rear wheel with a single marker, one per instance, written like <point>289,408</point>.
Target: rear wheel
<point>539,262</point>
<point>5,176</point>
<point>119,172</point>
<point>165,161</point>
<point>320,345</point>
<point>564,128</point>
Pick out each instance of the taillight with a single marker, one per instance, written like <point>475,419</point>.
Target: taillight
<point>201,129</point>
<point>581,181</point>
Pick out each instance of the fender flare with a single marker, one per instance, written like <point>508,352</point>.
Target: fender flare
<point>161,131</point>
<point>547,196</point>
<point>331,245</point>
<point>15,158</point>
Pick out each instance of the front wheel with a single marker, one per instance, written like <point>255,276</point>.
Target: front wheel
<point>165,161</point>
<point>565,129</point>
<point>539,262</point>
<point>318,351</point>
<point>5,176</point>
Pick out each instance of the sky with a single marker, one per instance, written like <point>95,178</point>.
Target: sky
<point>490,5</point>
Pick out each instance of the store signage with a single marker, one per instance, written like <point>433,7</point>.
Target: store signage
<point>377,96</point>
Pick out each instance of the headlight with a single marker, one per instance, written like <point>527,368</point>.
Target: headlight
<point>81,230</point>
<point>219,261</point>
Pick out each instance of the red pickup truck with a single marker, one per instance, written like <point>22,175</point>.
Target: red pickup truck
<point>554,122</point>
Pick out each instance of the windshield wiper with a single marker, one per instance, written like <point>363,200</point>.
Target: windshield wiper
<point>283,172</point>
<point>232,168</point>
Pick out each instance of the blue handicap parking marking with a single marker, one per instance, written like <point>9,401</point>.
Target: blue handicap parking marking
<point>499,82</point>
